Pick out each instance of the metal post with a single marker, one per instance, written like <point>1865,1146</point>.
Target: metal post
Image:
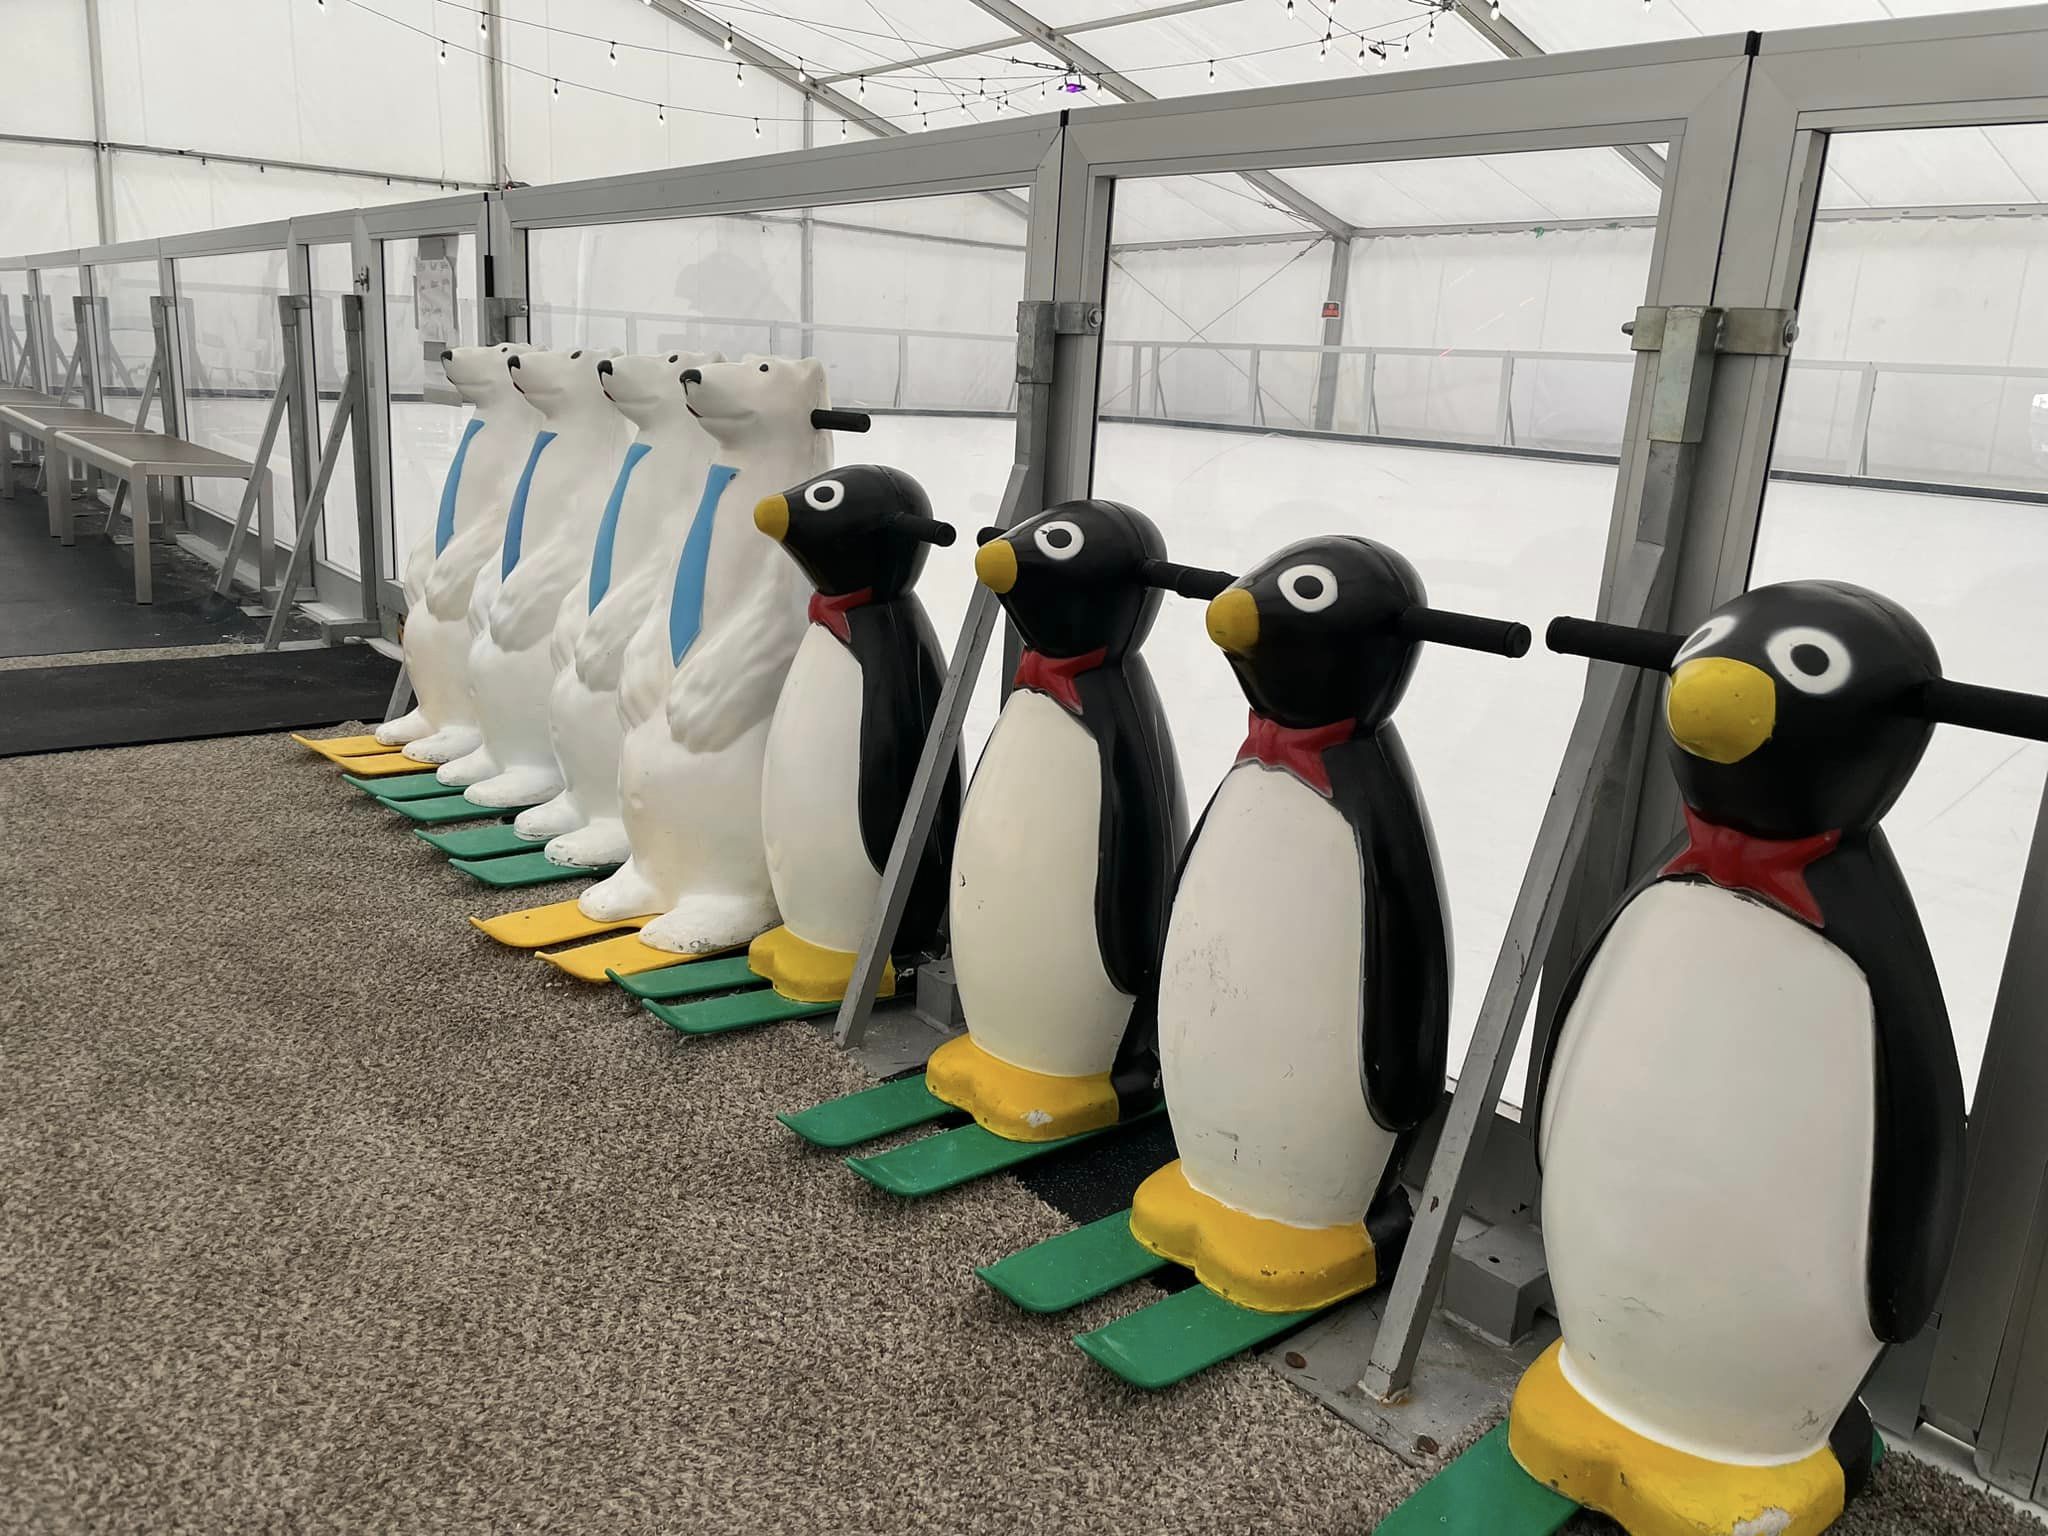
<point>1642,596</point>
<point>255,491</point>
<point>309,516</point>
<point>1333,334</point>
<point>102,154</point>
<point>1504,406</point>
<point>356,393</point>
<point>1039,329</point>
<point>85,317</point>
<point>1859,424</point>
<point>167,328</point>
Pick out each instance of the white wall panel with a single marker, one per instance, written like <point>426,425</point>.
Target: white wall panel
<point>158,195</point>
<point>49,75</point>
<point>323,85</point>
<point>48,205</point>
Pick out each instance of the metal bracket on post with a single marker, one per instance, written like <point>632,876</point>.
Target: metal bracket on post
<point>498,315</point>
<point>292,309</point>
<point>357,388</point>
<point>1685,339</point>
<point>1039,323</point>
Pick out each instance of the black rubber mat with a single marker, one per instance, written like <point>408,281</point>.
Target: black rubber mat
<point>132,703</point>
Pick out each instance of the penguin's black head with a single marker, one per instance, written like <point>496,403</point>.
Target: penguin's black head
<point>1313,632</point>
<point>1072,578</point>
<point>1783,712</point>
<point>862,527</point>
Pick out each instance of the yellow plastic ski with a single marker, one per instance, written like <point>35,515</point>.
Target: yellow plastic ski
<point>337,749</point>
<point>559,922</point>
<point>621,955</point>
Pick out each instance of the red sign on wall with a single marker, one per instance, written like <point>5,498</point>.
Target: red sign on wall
<point>1332,310</point>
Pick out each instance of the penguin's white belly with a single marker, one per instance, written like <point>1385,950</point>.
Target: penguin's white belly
<point>1025,861</point>
<point>1707,1144</point>
<point>810,798</point>
<point>1259,1008</point>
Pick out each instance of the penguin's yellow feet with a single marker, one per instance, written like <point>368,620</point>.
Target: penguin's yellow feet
<point>1260,1264</point>
<point>1652,1489</point>
<point>338,749</point>
<point>1014,1103</point>
<point>805,972</point>
<point>559,922</point>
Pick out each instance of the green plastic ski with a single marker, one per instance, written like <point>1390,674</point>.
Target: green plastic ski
<point>495,841</point>
<point>1187,1332</point>
<point>444,808</point>
<point>695,979</point>
<point>735,1010</point>
<point>403,786</point>
<point>531,868</point>
<point>958,1156</point>
<point>1077,1266</point>
<point>853,1118</point>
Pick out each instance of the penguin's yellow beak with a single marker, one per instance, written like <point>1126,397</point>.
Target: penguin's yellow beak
<point>995,565</point>
<point>771,516</point>
<point>1721,709</point>
<point>1234,620</point>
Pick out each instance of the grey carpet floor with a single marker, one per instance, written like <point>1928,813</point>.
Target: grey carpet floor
<point>318,1212</point>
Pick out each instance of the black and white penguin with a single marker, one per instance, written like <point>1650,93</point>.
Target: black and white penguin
<point>1064,861</point>
<point>1750,1117</point>
<point>1305,985</point>
<point>849,727</point>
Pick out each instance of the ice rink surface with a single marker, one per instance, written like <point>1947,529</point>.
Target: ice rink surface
<point>1511,538</point>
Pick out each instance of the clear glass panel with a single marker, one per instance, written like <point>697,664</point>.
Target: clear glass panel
<point>333,276</point>
<point>234,357</point>
<point>128,345</point>
<point>912,308</point>
<point>1229,420</point>
<point>60,286</point>
<point>429,307</point>
<point>1922,365</point>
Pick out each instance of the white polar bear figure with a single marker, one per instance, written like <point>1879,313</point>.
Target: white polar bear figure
<point>645,519</point>
<point>467,531</point>
<point>702,675</point>
<point>546,555</point>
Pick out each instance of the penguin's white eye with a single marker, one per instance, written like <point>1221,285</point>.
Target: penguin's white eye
<point>1061,540</point>
<point>825,495</point>
<point>1811,660</point>
<point>1311,588</point>
<point>1711,633</point>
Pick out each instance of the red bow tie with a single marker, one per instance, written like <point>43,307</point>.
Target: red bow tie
<point>1055,675</point>
<point>831,611</point>
<point>1771,868</point>
<point>1299,752</point>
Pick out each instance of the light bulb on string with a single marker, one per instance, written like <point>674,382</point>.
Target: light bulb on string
<point>613,54</point>
<point>728,39</point>
<point>444,50</point>
<point>739,76</point>
<point>1361,47</point>
<point>1493,10</point>
<point>1212,69</point>
<point>803,75</point>
<point>842,130</point>
<point>660,113</point>
<point>757,127</point>
<point>1324,51</point>
<point>483,24</point>
<point>558,89</point>
<point>863,87</point>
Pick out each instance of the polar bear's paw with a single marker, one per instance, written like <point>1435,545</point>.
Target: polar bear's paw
<point>626,894</point>
<point>445,745</point>
<point>552,819</point>
<point>527,785</point>
<point>410,726</point>
<point>597,846</point>
<point>706,922</point>
<point>472,767</point>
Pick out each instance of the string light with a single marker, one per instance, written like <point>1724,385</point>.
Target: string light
<point>1212,69</point>
<point>1324,51</point>
<point>483,23</point>
<point>728,39</point>
<point>660,112</point>
<point>444,51</point>
<point>863,87</point>
<point>558,88</point>
<point>757,127</point>
<point>614,55</point>
<point>803,75</point>
<point>1493,10</point>
<point>842,130</point>
<point>739,76</point>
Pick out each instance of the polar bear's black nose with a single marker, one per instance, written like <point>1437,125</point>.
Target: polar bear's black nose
<point>447,357</point>
<point>605,366</point>
<point>693,376</point>
<point>512,361</point>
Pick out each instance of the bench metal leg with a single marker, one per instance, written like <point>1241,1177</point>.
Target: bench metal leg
<point>57,490</point>
<point>138,523</point>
